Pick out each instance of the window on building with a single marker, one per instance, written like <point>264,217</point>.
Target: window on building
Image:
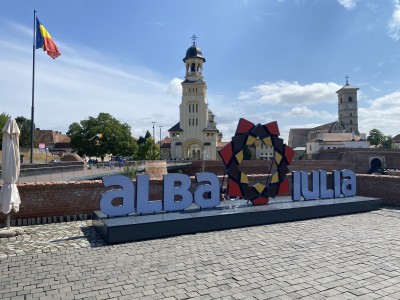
<point>197,108</point>
<point>341,100</point>
<point>350,99</point>
<point>189,108</point>
<point>190,121</point>
<point>351,114</point>
<point>351,121</point>
<point>197,122</point>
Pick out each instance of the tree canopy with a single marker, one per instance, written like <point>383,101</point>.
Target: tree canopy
<point>100,136</point>
<point>24,125</point>
<point>148,150</point>
<point>3,120</point>
<point>378,139</point>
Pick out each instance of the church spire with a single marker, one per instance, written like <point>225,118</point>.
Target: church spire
<point>194,38</point>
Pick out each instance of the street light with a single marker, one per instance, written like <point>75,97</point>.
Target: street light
<point>160,140</point>
<point>154,138</point>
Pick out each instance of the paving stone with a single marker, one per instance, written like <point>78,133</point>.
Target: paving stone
<point>341,257</point>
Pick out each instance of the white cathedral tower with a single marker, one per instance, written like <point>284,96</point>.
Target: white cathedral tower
<point>196,134</point>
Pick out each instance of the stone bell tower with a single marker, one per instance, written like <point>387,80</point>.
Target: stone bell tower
<point>347,107</point>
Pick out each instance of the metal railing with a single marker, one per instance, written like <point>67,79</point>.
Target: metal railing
<point>82,172</point>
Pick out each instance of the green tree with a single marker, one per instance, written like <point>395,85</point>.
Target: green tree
<point>148,150</point>
<point>378,139</point>
<point>142,139</point>
<point>100,136</point>
<point>24,125</point>
<point>3,120</point>
<point>387,142</point>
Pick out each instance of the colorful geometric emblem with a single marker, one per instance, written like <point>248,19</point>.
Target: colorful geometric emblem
<point>232,156</point>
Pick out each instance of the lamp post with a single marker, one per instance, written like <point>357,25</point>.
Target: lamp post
<point>160,140</point>
<point>154,138</point>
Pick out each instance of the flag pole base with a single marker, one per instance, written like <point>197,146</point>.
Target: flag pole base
<point>8,222</point>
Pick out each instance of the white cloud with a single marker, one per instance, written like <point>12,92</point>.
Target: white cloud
<point>283,92</point>
<point>175,88</point>
<point>386,102</point>
<point>82,83</point>
<point>382,113</point>
<point>348,4</point>
<point>305,112</point>
<point>375,89</point>
<point>394,22</point>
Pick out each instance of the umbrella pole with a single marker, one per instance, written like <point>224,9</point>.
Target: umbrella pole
<point>8,221</point>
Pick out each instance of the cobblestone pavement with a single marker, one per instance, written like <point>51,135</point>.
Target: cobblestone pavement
<point>344,257</point>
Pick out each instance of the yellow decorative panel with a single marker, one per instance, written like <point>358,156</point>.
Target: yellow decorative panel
<point>243,178</point>
<point>267,141</point>
<point>275,177</point>
<point>259,187</point>
<point>250,140</point>
<point>278,157</point>
<point>239,156</point>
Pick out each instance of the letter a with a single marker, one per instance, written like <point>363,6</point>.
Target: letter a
<point>127,193</point>
<point>212,188</point>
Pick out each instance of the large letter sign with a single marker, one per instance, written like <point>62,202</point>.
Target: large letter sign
<point>182,190</point>
<point>319,189</point>
<point>212,189</point>
<point>175,186</point>
<point>143,205</point>
<point>178,193</point>
<point>127,193</point>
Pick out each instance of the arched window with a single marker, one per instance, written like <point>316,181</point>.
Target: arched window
<point>351,121</point>
<point>350,99</point>
<point>341,100</point>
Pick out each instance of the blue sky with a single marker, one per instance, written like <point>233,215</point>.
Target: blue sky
<point>267,60</point>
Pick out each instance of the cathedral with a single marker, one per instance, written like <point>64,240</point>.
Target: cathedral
<point>342,133</point>
<point>195,136</point>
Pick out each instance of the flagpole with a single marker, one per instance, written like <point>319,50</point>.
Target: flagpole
<point>33,84</point>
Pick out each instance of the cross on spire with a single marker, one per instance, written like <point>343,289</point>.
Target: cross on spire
<point>194,38</point>
<point>347,80</point>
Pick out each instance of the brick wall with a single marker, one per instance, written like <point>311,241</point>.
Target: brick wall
<point>75,198</point>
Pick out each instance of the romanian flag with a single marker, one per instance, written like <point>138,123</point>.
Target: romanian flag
<point>44,40</point>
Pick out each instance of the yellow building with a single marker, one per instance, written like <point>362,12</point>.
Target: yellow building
<point>195,136</point>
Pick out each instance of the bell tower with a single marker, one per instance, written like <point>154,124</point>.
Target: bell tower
<point>347,107</point>
<point>195,136</point>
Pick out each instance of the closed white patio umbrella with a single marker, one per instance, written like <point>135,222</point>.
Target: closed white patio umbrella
<point>9,195</point>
